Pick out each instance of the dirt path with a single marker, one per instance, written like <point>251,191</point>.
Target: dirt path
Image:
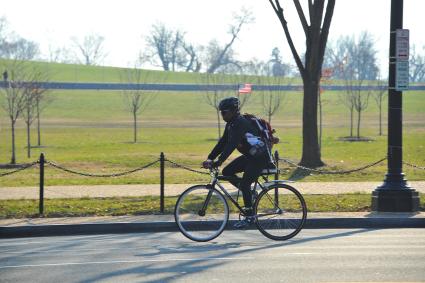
<point>176,189</point>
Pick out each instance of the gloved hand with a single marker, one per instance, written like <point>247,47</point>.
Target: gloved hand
<point>207,164</point>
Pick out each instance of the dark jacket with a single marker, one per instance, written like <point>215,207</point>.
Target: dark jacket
<point>234,137</point>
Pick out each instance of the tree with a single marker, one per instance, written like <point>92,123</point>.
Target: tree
<point>271,100</point>
<point>168,49</point>
<point>278,68</point>
<point>35,102</point>
<point>379,96</point>
<point>417,65</point>
<point>316,34</point>
<point>359,70</point>
<point>15,97</point>
<point>221,57</point>
<point>137,99</point>
<point>90,48</point>
<point>214,93</point>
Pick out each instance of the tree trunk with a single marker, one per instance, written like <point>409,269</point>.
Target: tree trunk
<point>13,159</point>
<point>311,152</point>
<point>380,118</point>
<point>351,121</point>
<point>135,127</point>
<point>28,140</point>
<point>38,125</point>
<point>358,124</point>
<point>218,123</point>
<point>320,121</point>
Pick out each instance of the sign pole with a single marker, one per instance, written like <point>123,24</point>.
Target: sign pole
<point>395,195</point>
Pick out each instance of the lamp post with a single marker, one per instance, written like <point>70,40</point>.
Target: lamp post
<point>394,195</point>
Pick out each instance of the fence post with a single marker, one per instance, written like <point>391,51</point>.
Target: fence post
<point>276,158</point>
<point>41,200</point>
<point>162,178</point>
<point>276,175</point>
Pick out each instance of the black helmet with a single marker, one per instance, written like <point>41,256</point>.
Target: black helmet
<point>229,103</point>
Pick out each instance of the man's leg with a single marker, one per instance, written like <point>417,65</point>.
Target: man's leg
<point>236,166</point>
<point>253,169</point>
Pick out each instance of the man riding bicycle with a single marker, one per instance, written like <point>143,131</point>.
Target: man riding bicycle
<point>243,135</point>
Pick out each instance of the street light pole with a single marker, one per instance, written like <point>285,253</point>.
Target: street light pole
<point>395,195</point>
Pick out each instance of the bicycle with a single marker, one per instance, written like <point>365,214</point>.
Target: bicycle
<point>202,211</point>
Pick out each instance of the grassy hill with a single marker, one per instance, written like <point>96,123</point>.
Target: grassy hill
<point>92,131</point>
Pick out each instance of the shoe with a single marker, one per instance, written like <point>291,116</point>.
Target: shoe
<point>248,221</point>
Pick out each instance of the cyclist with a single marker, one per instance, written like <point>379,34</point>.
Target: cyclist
<point>240,134</point>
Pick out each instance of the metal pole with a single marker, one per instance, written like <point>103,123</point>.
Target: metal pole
<point>162,179</point>
<point>41,200</point>
<point>394,195</point>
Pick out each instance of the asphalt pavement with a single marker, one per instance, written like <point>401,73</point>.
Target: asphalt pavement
<point>165,223</point>
<point>314,255</point>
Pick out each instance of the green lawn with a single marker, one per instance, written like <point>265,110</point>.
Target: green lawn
<point>150,205</point>
<point>91,131</point>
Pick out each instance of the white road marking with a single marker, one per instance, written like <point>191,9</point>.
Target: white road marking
<point>126,261</point>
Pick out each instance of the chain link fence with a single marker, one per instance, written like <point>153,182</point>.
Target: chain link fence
<point>162,160</point>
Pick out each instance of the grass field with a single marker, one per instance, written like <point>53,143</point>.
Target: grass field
<point>139,206</point>
<point>91,131</point>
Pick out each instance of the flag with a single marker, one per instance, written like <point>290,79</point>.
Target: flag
<point>245,88</point>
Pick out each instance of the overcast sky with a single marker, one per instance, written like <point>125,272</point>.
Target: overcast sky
<point>124,23</point>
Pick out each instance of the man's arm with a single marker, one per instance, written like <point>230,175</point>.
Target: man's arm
<point>235,137</point>
<point>219,146</point>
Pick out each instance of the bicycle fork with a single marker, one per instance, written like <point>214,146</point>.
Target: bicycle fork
<point>201,212</point>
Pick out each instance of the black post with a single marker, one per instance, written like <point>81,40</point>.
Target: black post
<point>276,175</point>
<point>395,195</point>
<point>41,201</point>
<point>162,179</point>
<point>276,160</point>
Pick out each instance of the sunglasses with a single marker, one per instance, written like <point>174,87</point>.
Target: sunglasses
<point>224,112</point>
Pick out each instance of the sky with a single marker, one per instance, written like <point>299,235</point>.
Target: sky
<point>126,23</point>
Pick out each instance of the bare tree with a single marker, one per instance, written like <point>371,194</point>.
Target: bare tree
<point>271,100</point>
<point>214,93</point>
<point>417,65</point>
<point>316,34</point>
<point>15,97</point>
<point>379,96</point>
<point>137,99</point>
<point>168,49</point>
<point>360,70</point>
<point>90,48</point>
<point>35,102</point>
<point>218,56</point>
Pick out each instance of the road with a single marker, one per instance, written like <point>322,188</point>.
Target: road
<point>355,255</point>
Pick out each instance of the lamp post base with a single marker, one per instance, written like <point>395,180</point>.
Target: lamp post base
<point>395,197</point>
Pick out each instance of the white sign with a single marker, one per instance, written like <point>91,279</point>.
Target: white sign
<point>402,60</point>
<point>402,44</point>
<point>402,75</point>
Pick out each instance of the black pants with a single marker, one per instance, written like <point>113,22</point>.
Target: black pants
<point>251,168</point>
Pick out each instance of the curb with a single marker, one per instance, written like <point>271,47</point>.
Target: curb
<point>170,226</point>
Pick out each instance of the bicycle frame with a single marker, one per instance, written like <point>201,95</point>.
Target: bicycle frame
<point>215,183</point>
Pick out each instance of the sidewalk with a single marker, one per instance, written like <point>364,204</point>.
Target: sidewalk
<point>165,223</point>
<point>176,189</point>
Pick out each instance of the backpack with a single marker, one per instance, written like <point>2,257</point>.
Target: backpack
<point>265,129</point>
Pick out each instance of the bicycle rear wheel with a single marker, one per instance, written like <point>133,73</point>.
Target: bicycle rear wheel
<point>281,212</point>
<point>201,213</point>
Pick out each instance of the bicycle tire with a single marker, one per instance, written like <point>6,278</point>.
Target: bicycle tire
<point>280,218</point>
<point>189,218</point>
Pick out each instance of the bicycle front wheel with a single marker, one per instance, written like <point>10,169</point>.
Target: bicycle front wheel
<point>281,212</point>
<point>201,213</point>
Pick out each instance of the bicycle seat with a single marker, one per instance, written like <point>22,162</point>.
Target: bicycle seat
<point>270,170</point>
